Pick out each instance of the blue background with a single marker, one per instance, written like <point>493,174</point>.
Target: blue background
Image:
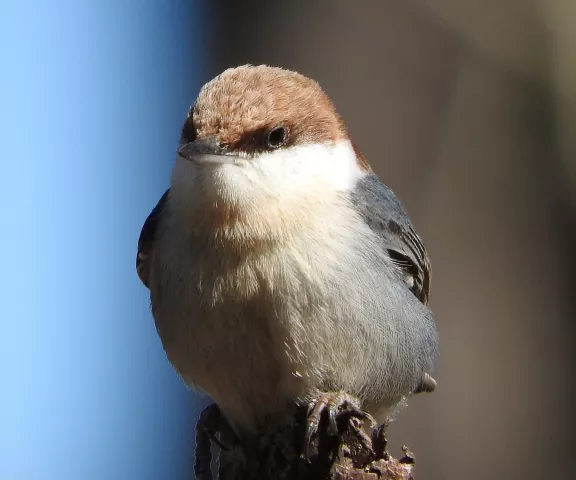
<point>92,97</point>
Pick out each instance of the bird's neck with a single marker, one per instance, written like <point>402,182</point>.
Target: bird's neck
<point>254,225</point>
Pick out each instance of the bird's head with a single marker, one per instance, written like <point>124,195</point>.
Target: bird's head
<point>260,137</point>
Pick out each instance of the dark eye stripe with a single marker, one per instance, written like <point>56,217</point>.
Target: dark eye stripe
<point>188,132</point>
<point>259,140</point>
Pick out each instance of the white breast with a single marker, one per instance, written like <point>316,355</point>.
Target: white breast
<point>266,283</point>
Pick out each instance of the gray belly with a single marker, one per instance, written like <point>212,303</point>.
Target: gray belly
<point>258,333</point>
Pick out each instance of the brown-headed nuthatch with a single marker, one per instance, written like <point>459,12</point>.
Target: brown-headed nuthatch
<point>281,270</point>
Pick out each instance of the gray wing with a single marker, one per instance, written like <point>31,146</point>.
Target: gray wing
<point>146,240</point>
<point>385,215</point>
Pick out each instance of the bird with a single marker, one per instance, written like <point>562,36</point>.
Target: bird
<point>281,270</point>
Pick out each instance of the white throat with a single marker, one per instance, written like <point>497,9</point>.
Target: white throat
<point>284,186</point>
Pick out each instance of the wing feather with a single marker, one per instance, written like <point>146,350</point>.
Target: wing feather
<point>385,215</point>
<point>146,240</point>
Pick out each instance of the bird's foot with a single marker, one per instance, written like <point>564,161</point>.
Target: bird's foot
<point>342,411</point>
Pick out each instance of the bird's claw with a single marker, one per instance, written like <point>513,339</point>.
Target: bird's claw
<point>339,408</point>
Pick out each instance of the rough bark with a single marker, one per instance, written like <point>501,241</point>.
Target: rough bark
<point>352,455</point>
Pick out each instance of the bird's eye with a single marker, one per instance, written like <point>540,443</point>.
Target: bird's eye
<point>277,137</point>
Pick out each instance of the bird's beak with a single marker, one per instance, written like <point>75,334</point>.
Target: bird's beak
<point>207,151</point>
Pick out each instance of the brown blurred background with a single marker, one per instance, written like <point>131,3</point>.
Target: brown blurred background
<point>467,110</point>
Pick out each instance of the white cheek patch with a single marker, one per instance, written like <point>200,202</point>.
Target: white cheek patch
<point>297,171</point>
<point>284,183</point>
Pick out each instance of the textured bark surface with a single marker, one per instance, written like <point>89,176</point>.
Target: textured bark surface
<point>352,455</point>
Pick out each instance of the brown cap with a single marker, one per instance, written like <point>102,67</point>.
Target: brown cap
<point>243,104</point>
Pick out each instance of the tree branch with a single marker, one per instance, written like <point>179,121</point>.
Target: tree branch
<point>275,455</point>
